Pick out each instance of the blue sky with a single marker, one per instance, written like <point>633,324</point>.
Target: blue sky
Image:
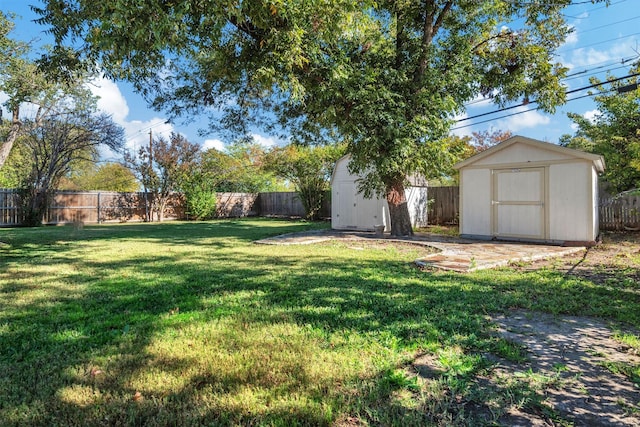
<point>604,37</point>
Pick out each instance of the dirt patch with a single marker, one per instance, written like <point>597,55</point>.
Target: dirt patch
<point>569,370</point>
<point>574,355</point>
<point>616,258</point>
<point>564,377</point>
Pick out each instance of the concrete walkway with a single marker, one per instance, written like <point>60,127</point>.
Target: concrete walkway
<point>454,254</point>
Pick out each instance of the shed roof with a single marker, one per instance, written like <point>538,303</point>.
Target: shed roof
<point>597,159</point>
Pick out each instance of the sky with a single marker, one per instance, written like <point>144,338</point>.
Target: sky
<point>606,39</point>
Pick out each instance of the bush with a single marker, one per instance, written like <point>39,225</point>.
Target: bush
<point>201,203</point>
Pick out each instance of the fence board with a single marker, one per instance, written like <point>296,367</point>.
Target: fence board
<point>235,205</point>
<point>280,204</point>
<point>286,203</point>
<point>620,212</point>
<point>89,207</point>
<point>444,205</point>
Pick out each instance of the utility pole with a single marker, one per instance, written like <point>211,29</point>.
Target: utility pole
<point>150,148</point>
<point>147,211</point>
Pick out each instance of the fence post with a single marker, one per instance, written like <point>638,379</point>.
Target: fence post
<point>98,207</point>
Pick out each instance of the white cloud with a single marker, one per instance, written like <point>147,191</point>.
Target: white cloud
<point>265,141</point>
<point>572,38</point>
<point>213,143</point>
<point>530,119</point>
<point>137,135</point>
<point>585,57</point>
<point>592,115</point>
<point>111,100</point>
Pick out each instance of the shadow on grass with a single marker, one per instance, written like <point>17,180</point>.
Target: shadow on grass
<point>94,331</point>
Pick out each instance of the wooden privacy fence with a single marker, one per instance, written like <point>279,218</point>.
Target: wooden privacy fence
<point>444,205</point>
<point>235,205</point>
<point>100,206</point>
<point>90,207</point>
<point>283,203</point>
<point>621,212</point>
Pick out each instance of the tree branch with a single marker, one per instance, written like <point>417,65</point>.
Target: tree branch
<point>248,28</point>
<point>497,36</point>
<point>14,131</point>
<point>430,29</point>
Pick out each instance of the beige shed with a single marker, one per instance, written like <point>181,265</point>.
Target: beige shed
<point>529,190</point>
<point>350,210</point>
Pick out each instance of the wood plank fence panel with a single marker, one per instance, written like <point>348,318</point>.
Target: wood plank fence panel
<point>288,204</point>
<point>280,204</point>
<point>122,207</point>
<point>236,205</point>
<point>620,212</point>
<point>90,207</point>
<point>9,207</point>
<point>444,205</point>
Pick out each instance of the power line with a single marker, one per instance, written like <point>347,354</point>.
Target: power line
<point>607,25</point>
<point>594,9</point>
<point>148,128</point>
<point>597,43</point>
<point>579,74</point>
<point>524,111</point>
<point>534,102</point>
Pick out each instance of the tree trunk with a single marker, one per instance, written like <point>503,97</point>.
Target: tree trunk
<point>5,149</point>
<point>398,209</point>
<point>34,206</point>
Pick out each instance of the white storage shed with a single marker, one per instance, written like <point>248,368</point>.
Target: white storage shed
<point>350,210</point>
<point>529,190</point>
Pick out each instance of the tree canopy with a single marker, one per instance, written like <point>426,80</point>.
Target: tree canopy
<point>613,131</point>
<point>387,77</point>
<point>309,169</point>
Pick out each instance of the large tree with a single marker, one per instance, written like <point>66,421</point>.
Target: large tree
<point>613,131</point>
<point>107,176</point>
<point>20,80</point>
<point>73,134</point>
<point>385,76</point>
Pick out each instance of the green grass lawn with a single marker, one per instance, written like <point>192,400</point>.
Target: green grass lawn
<point>192,323</point>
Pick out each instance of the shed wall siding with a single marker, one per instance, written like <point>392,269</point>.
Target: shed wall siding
<point>351,211</point>
<point>595,194</point>
<point>567,200</point>
<point>570,217</point>
<point>341,173</point>
<point>417,200</point>
<point>475,202</point>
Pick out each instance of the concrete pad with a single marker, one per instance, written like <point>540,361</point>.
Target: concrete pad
<point>482,255</point>
<point>455,254</point>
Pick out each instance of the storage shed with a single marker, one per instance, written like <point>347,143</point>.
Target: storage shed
<point>529,190</point>
<point>350,210</point>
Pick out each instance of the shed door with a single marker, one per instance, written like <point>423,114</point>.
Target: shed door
<point>346,205</point>
<point>518,203</point>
